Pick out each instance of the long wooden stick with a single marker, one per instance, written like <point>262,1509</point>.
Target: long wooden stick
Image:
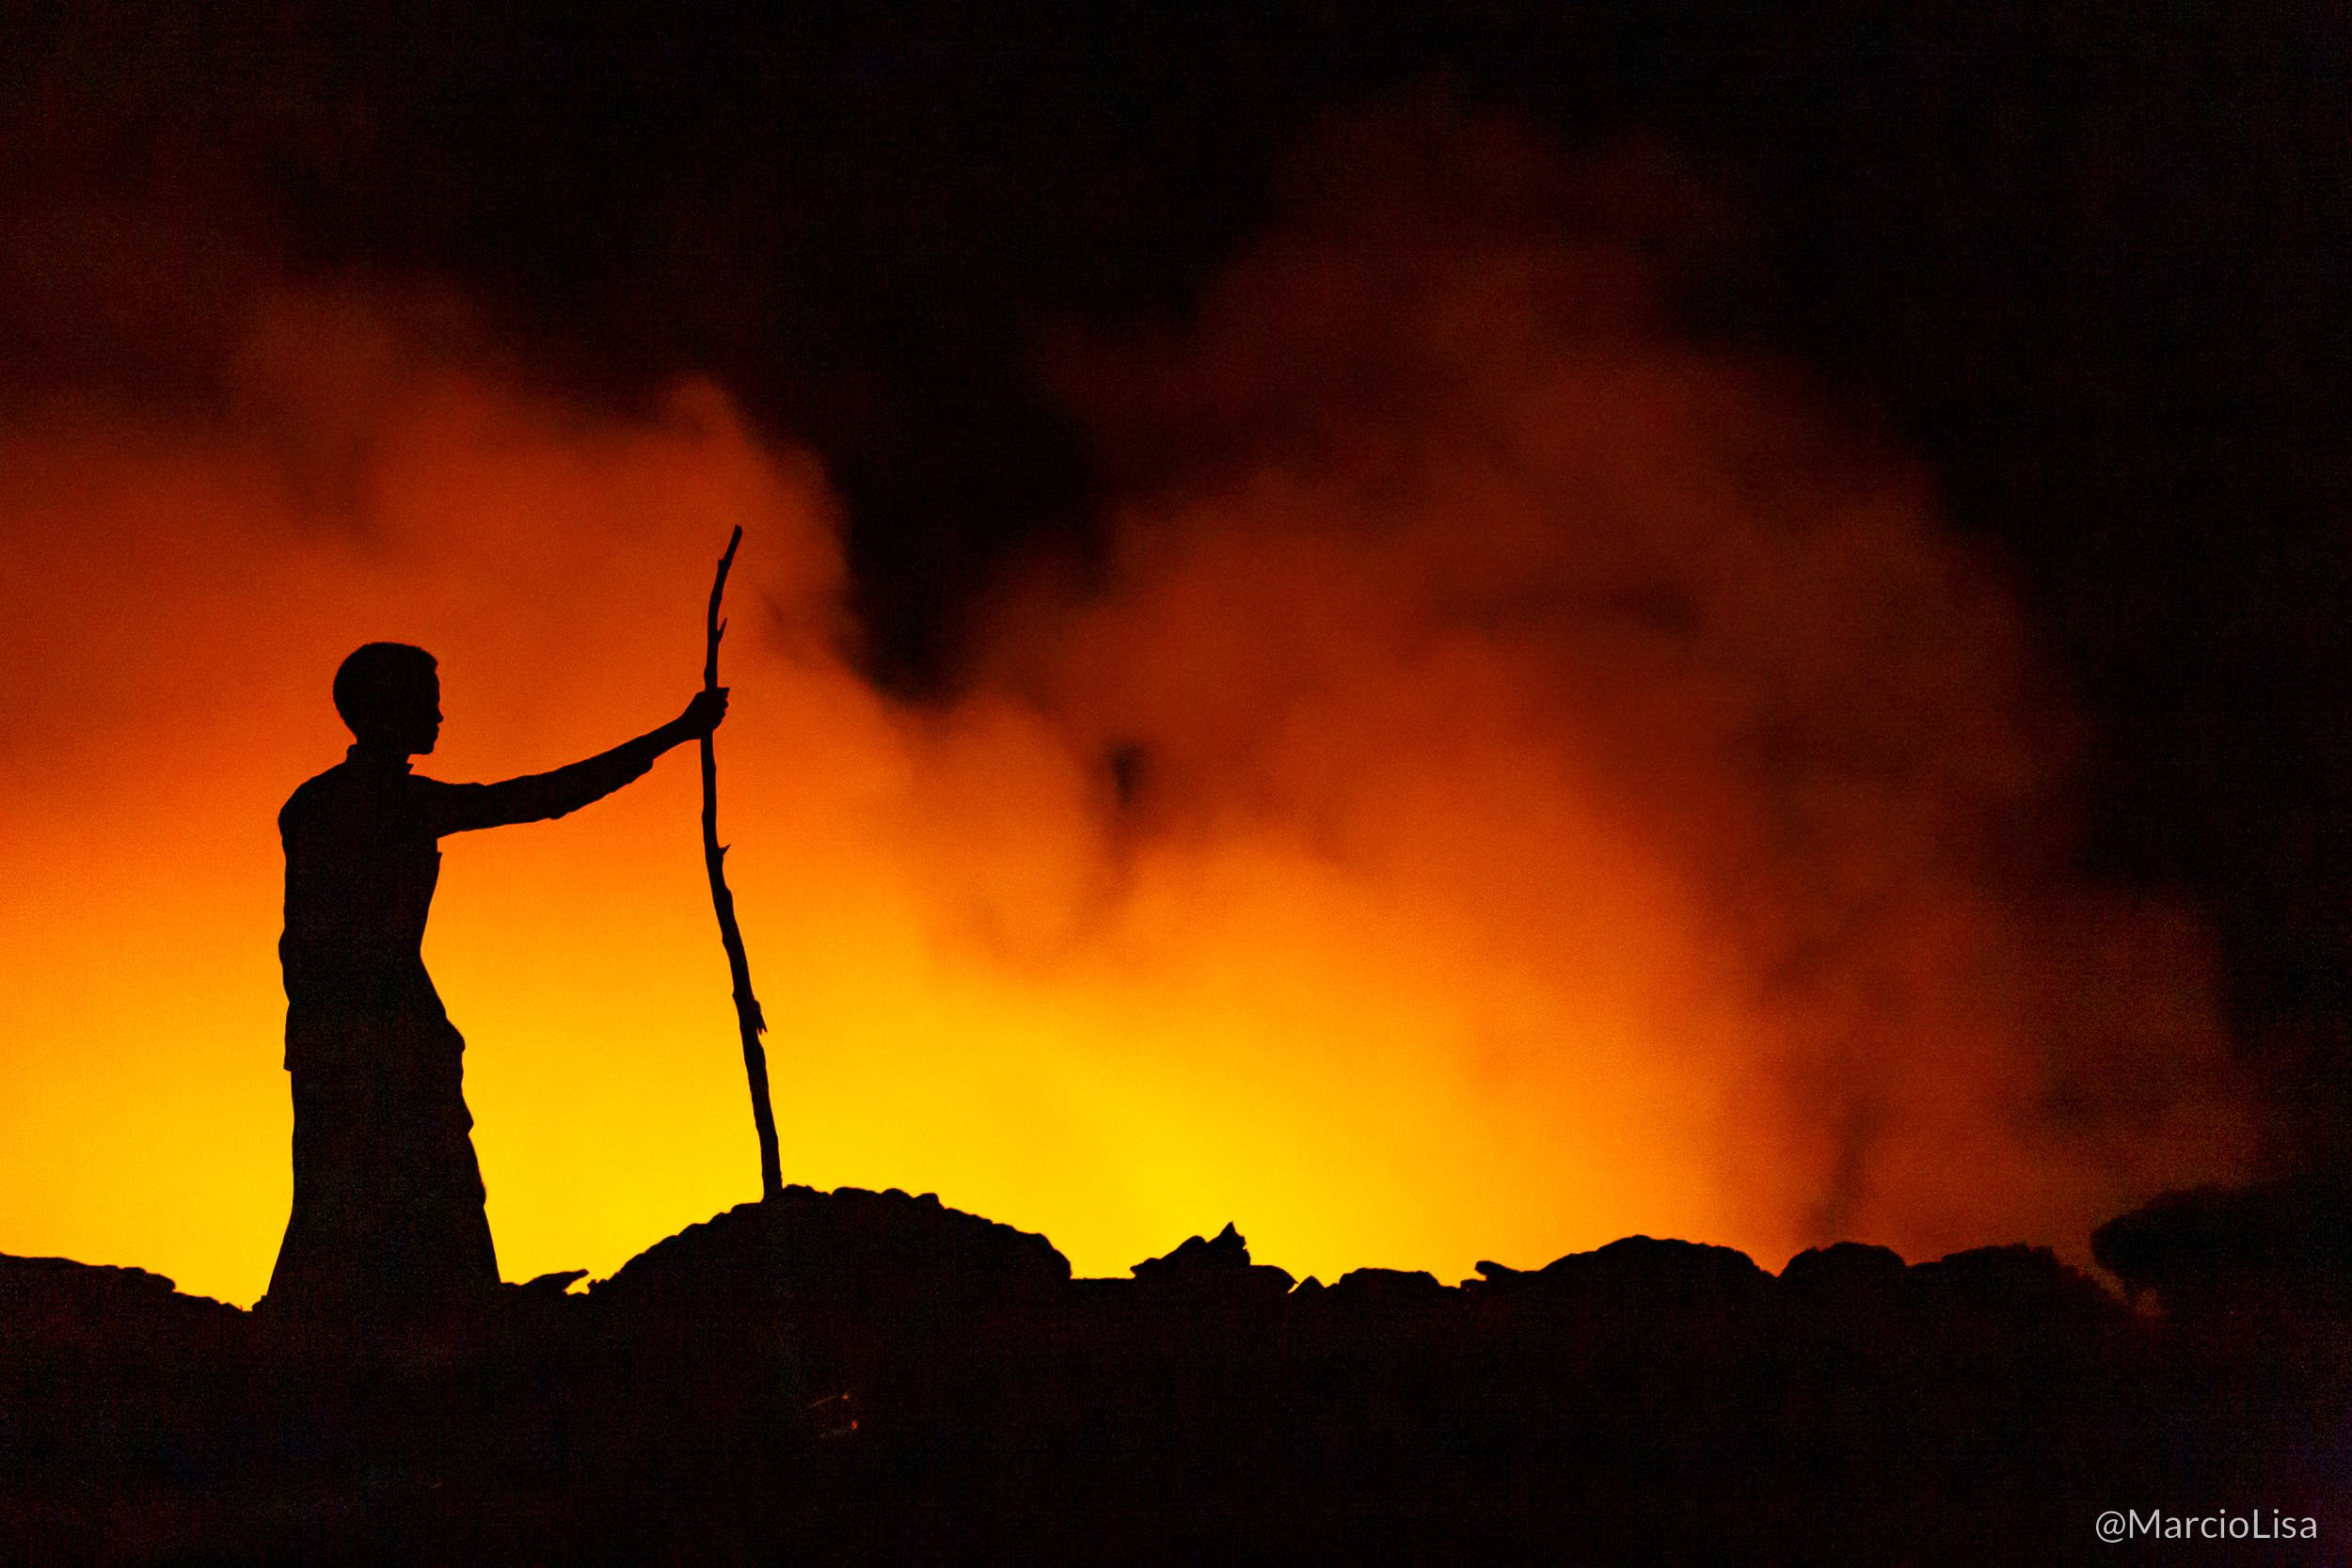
<point>747,1014</point>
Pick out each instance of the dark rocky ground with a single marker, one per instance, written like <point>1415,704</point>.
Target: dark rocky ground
<point>872,1377</point>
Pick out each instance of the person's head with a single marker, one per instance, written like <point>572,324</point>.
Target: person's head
<point>389,694</point>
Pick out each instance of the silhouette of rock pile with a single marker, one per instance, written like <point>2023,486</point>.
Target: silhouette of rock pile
<point>1217,1269</point>
<point>2215,1249</point>
<point>1638,1275</point>
<point>1845,1278</point>
<point>56,1300</point>
<point>109,1379</point>
<point>850,1252</point>
<point>876,1377</point>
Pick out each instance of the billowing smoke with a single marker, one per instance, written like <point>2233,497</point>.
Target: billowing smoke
<point>1515,778</point>
<point>1714,770</point>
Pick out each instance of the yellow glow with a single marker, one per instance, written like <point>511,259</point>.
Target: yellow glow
<point>1423,988</point>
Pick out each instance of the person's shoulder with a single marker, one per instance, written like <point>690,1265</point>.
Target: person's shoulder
<point>312,793</point>
<point>317,785</point>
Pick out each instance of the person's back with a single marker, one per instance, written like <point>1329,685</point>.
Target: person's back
<point>361,863</point>
<point>387,1209</point>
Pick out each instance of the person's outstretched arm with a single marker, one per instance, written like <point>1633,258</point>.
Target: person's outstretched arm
<point>537,797</point>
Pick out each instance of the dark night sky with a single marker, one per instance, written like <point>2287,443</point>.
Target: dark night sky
<point>2086,260</point>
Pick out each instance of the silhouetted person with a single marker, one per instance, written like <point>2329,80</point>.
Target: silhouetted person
<point>388,1200</point>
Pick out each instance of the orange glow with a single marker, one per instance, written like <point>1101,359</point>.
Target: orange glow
<point>1573,796</point>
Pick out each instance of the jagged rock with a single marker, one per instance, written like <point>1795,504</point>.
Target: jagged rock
<point>56,1296</point>
<point>1849,1295</point>
<point>1637,1275</point>
<point>1388,1290</point>
<point>2014,1283</point>
<point>1845,1277</point>
<point>551,1284</point>
<point>110,1377</point>
<point>851,1252</point>
<point>1216,1268</point>
<point>2212,1248</point>
<point>1229,1251</point>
